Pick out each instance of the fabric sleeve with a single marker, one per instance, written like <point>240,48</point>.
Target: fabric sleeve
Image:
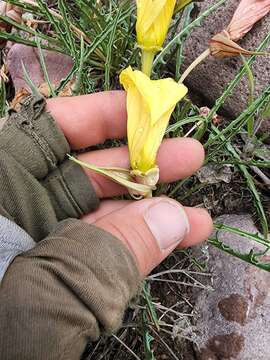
<point>73,286</point>
<point>39,186</point>
<point>33,139</point>
<point>13,241</point>
<point>24,200</point>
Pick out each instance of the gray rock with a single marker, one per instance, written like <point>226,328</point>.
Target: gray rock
<point>233,320</point>
<point>214,174</point>
<point>209,79</point>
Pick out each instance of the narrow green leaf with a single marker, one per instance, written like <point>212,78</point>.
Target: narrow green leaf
<point>29,81</point>
<point>149,305</point>
<point>109,51</point>
<point>44,69</point>
<point>66,24</point>
<point>251,82</point>
<point>179,54</point>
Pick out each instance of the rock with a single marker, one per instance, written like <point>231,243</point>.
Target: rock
<point>58,66</point>
<point>265,130</point>
<point>214,174</point>
<point>233,320</point>
<point>209,79</point>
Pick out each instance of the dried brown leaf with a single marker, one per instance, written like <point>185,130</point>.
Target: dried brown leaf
<point>4,73</point>
<point>44,89</point>
<point>67,91</point>
<point>20,95</point>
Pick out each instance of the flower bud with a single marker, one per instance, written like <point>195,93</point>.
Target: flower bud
<point>153,21</point>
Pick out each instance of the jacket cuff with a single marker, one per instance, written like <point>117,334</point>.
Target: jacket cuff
<point>71,192</point>
<point>33,138</point>
<point>73,286</point>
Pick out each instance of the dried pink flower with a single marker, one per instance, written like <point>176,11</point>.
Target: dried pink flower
<point>246,15</point>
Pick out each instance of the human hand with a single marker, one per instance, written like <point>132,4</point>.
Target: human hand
<point>150,228</point>
<point>77,282</point>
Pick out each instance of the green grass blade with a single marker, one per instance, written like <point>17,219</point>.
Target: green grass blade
<point>179,54</point>
<point>55,22</point>
<point>3,107</point>
<point>66,24</point>
<point>255,237</point>
<point>249,258</point>
<point>79,76</point>
<point>25,6</point>
<point>44,69</point>
<point>29,82</point>
<point>251,82</point>
<point>149,305</point>
<point>109,51</point>
<point>20,40</point>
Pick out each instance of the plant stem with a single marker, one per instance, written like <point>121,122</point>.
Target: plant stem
<point>147,61</point>
<point>195,63</point>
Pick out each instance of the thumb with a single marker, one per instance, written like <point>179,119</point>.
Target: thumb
<point>150,228</point>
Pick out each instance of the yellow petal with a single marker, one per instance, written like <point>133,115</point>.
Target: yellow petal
<point>153,20</point>
<point>158,95</point>
<point>149,106</point>
<point>180,4</point>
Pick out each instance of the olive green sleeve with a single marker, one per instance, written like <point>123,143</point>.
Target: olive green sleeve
<point>33,139</point>
<point>73,286</point>
<point>39,186</point>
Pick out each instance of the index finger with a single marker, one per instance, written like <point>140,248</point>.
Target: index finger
<point>90,119</point>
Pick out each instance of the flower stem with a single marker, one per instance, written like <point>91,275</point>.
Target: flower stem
<point>147,61</point>
<point>195,63</point>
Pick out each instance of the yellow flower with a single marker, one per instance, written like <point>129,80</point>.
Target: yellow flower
<point>153,21</point>
<point>149,107</point>
<point>180,4</point>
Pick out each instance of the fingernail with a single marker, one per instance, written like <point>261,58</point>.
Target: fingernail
<point>168,223</point>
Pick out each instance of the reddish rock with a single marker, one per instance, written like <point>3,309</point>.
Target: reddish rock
<point>226,346</point>
<point>234,308</point>
<point>58,65</point>
<point>233,320</point>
